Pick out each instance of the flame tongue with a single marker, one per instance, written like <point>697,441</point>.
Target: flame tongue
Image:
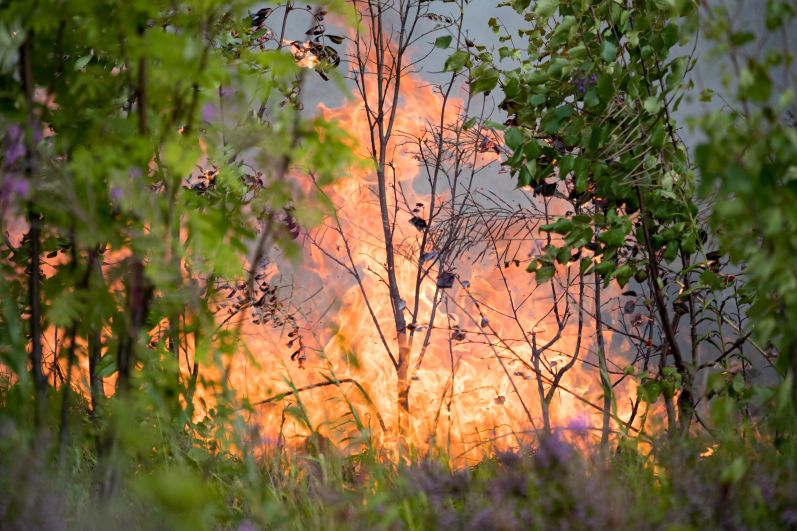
<point>476,386</point>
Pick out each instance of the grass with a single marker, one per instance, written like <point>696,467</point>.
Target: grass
<point>742,475</point>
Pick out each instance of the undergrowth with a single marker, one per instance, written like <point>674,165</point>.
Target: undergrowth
<point>739,477</point>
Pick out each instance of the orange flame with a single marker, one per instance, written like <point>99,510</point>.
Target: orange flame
<point>476,383</point>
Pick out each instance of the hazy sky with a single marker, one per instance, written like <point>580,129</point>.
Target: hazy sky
<point>707,74</point>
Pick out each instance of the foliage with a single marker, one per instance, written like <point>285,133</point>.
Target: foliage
<point>591,106</point>
<point>132,130</point>
<point>146,157</point>
<point>739,483</point>
<point>747,165</point>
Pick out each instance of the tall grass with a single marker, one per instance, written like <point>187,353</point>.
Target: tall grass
<point>741,476</point>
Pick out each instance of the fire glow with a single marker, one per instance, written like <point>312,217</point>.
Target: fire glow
<point>472,382</point>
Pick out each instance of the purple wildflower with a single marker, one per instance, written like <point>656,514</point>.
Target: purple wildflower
<point>14,152</point>
<point>583,83</point>
<point>208,112</point>
<point>14,186</point>
<point>553,452</point>
<point>14,132</point>
<point>579,423</point>
<point>789,517</point>
<point>116,193</point>
<point>38,133</point>
<point>134,172</point>
<point>246,525</point>
<point>15,149</point>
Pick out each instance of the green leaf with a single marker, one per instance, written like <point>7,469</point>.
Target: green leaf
<point>670,35</point>
<point>657,137</point>
<point>443,42</point>
<point>591,98</point>
<point>563,255</point>
<point>106,366</point>
<point>737,384</point>
<point>526,174</point>
<point>711,280</point>
<point>740,38</point>
<point>532,150</point>
<point>456,61</point>
<point>614,237</point>
<point>689,242</point>
<point>652,104</point>
<point>485,78</point>
<point>546,8</point>
<point>513,138</point>
<point>560,226</point>
<point>544,272</point>
<point>649,390</point>
<point>81,63</point>
<point>623,274</point>
<point>778,14</point>
<point>734,472</point>
<point>608,51</point>
<point>755,83</point>
<point>605,268</point>
<point>65,309</point>
<point>520,5</point>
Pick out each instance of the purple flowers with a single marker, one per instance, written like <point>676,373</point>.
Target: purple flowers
<point>583,83</point>
<point>14,153</point>
<point>579,423</point>
<point>553,452</point>
<point>15,148</point>
<point>16,187</point>
<point>246,525</point>
<point>13,186</point>
<point>209,112</point>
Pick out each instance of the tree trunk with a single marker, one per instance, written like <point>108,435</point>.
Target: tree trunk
<point>138,304</point>
<point>95,382</point>
<point>403,396</point>
<point>536,354</point>
<point>606,383</point>
<point>34,237</point>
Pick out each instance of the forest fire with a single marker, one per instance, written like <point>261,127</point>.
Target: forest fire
<point>474,316</point>
<point>482,359</point>
<point>397,265</point>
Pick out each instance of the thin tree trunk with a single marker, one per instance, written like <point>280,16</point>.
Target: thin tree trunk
<point>138,291</point>
<point>95,347</point>
<point>70,363</point>
<point>95,382</point>
<point>139,294</point>
<point>606,383</point>
<point>63,432</point>
<point>34,237</point>
<point>381,129</point>
<point>403,399</point>
<point>191,387</point>
<point>685,406</point>
<point>536,354</point>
